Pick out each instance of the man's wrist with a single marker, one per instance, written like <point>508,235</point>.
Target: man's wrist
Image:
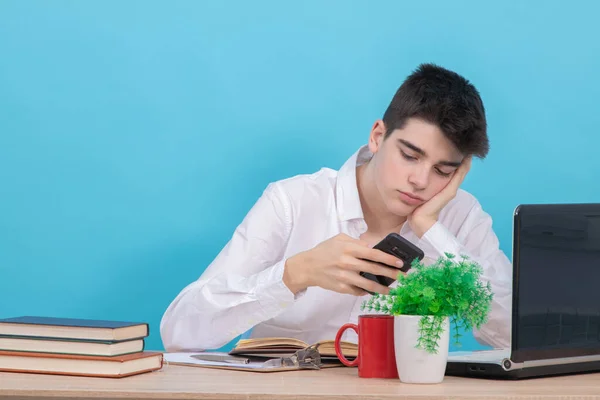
<point>292,274</point>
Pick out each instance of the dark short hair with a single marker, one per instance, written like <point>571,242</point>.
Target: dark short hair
<point>446,99</point>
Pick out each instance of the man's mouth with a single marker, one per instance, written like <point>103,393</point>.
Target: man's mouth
<point>410,198</point>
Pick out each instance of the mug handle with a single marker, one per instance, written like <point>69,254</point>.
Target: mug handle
<point>338,351</point>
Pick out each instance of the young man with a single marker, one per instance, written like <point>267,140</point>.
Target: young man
<point>292,267</point>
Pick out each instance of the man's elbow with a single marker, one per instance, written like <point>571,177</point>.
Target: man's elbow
<point>179,335</point>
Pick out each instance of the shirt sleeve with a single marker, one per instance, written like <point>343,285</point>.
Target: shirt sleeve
<point>243,285</point>
<point>477,240</point>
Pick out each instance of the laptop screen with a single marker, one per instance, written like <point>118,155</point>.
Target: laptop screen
<point>556,258</point>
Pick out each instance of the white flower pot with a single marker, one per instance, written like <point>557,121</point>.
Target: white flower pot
<point>417,365</point>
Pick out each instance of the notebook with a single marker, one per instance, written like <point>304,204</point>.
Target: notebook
<point>250,364</point>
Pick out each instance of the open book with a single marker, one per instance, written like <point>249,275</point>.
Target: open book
<point>282,347</point>
<point>268,355</point>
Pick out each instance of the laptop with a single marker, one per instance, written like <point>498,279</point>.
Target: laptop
<point>555,299</point>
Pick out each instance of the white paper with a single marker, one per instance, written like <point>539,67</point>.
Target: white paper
<point>186,358</point>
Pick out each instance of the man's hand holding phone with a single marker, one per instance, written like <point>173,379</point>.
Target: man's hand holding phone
<point>336,264</point>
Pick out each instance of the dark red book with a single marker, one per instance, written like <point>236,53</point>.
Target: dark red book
<point>66,364</point>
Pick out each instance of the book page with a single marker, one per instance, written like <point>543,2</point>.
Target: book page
<point>327,347</point>
<point>270,342</point>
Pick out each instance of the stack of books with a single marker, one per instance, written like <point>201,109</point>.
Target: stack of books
<point>81,347</point>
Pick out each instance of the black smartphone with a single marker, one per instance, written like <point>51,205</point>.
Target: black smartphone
<point>399,247</point>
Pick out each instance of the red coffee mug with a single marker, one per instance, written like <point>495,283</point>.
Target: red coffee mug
<point>376,355</point>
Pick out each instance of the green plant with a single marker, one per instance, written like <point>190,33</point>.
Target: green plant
<point>447,288</point>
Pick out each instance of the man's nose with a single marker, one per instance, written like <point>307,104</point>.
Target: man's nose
<point>419,178</point>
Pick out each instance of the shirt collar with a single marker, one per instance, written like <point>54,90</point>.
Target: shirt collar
<point>347,198</point>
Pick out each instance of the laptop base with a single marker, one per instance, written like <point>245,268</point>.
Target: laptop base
<point>495,371</point>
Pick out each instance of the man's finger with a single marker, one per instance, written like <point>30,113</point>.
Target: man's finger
<point>353,283</point>
<point>466,165</point>
<point>376,255</point>
<point>460,174</point>
<point>370,286</point>
<point>377,269</point>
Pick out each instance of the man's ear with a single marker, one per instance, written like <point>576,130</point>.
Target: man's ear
<point>376,136</point>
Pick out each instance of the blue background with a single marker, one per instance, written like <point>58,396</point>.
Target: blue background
<point>135,135</point>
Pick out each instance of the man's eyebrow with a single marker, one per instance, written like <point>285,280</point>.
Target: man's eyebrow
<point>412,147</point>
<point>422,152</point>
<point>451,163</point>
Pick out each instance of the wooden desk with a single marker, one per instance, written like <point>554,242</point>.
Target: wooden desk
<point>178,382</point>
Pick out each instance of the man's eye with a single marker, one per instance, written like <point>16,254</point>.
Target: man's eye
<point>406,156</point>
<point>442,173</point>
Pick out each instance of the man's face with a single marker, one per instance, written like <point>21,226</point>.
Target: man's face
<point>412,165</point>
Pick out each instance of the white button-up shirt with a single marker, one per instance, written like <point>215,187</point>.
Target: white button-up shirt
<point>242,288</point>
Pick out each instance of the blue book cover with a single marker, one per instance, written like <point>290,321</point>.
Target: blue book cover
<point>82,329</point>
<point>75,322</point>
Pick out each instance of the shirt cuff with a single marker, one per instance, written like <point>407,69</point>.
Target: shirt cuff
<point>442,240</point>
<point>273,295</point>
